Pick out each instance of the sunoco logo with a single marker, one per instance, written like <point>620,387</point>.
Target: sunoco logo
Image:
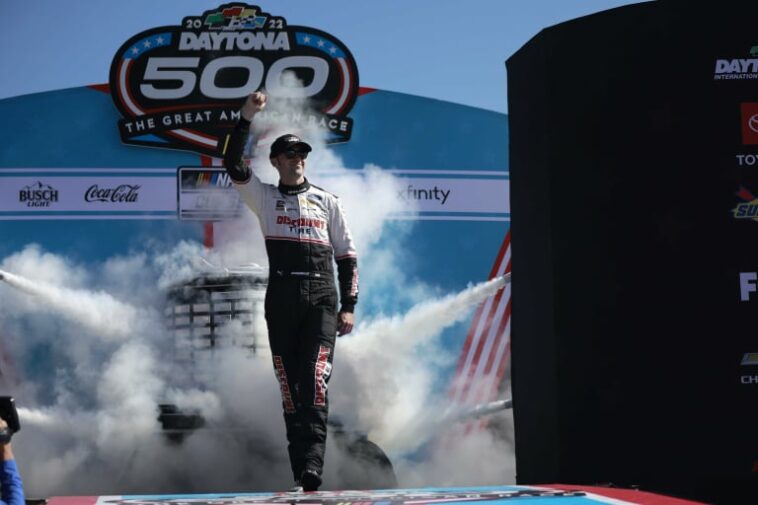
<point>125,193</point>
<point>38,195</point>
<point>748,208</point>
<point>181,87</point>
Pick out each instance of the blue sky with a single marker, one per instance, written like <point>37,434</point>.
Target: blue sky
<point>452,51</point>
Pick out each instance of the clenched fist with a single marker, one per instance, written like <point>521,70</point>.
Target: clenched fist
<point>255,103</point>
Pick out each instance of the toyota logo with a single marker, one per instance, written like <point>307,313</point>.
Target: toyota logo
<point>752,123</point>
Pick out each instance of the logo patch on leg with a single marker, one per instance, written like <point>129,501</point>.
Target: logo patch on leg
<point>281,374</point>
<point>323,370</point>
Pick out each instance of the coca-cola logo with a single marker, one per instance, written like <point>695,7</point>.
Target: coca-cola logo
<point>124,193</point>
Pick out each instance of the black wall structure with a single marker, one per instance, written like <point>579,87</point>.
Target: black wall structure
<point>630,155</point>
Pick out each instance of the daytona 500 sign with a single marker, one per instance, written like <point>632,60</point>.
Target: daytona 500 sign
<point>181,87</point>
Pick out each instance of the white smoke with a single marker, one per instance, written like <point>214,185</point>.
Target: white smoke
<point>386,382</point>
<point>396,352</point>
<point>464,457</point>
<point>91,424</point>
<point>90,416</point>
<point>91,310</point>
<point>384,375</point>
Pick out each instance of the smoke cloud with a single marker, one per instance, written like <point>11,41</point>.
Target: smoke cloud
<point>93,359</point>
<point>379,354</point>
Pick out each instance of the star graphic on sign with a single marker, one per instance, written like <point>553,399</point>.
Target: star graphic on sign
<point>135,50</point>
<point>147,43</point>
<point>159,40</point>
<point>321,43</point>
<point>306,39</point>
<point>333,50</point>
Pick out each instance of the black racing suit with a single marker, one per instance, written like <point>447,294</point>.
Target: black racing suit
<point>304,228</point>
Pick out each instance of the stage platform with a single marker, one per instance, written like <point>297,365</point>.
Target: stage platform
<point>553,494</point>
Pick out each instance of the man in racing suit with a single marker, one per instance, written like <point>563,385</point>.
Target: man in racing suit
<point>304,229</point>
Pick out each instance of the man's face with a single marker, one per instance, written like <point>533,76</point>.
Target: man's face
<point>291,165</point>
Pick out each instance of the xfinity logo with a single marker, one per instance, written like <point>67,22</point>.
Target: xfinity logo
<point>38,195</point>
<point>747,285</point>
<point>125,193</point>
<point>435,193</point>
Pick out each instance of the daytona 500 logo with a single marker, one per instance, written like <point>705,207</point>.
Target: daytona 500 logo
<point>181,87</point>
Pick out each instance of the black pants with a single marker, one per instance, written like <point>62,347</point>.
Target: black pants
<point>301,315</point>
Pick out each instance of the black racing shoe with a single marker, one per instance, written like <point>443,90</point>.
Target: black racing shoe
<point>311,480</point>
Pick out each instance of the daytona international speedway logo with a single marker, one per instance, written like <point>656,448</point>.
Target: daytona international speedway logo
<point>181,87</point>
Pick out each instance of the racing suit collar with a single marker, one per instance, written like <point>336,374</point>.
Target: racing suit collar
<point>296,189</point>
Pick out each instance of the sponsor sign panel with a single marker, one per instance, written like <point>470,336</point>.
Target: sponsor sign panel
<point>442,197</point>
<point>36,194</point>
<point>206,194</point>
<point>181,86</point>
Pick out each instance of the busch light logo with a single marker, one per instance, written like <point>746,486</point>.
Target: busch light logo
<point>181,87</point>
<point>125,193</point>
<point>38,195</point>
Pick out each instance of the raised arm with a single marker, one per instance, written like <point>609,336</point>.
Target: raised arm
<point>235,144</point>
<point>247,184</point>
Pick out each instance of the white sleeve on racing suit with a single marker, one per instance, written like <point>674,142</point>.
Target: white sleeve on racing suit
<point>252,192</point>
